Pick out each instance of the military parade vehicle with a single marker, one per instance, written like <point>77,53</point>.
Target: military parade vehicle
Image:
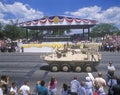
<point>77,57</point>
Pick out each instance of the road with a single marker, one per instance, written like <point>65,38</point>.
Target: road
<point>28,66</point>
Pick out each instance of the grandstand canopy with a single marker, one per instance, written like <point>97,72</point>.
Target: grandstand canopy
<point>58,22</point>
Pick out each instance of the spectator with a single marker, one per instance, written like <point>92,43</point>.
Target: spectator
<point>13,88</point>
<point>1,91</point>
<point>12,93</point>
<point>64,90</point>
<point>111,70</point>
<point>100,80</point>
<point>25,89</point>
<point>52,86</point>
<point>4,84</point>
<point>99,90</point>
<point>112,81</point>
<point>82,89</point>
<point>116,88</point>
<point>99,84</point>
<point>36,86</point>
<point>42,90</point>
<point>75,85</point>
<point>111,43</point>
<point>89,86</point>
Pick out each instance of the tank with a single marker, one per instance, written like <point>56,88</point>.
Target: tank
<point>77,57</point>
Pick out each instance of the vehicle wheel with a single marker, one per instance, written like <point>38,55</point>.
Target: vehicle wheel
<point>66,67</point>
<point>54,67</point>
<point>78,69</point>
<point>88,68</point>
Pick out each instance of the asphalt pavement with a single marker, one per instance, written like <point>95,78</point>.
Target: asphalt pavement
<point>28,66</point>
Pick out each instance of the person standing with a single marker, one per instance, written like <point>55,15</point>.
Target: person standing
<point>99,84</point>
<point>116,88</point>
<point>42,90</point>
<point>82,89</point>
<point>25,89</point>
<point>100,80</point>
<point>111,70</point>
<point>64,89</point>
<point>74,86</point>
<point>4,84</point>
<point>111,82</point>
<point>14,88</point>
<point>36,86</point>
<point>52,86</point>
<point>89,86</point>
<point>1,91</point>
<point>99,90</point>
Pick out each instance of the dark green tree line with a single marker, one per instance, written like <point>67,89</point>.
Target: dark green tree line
<point>103,29</point>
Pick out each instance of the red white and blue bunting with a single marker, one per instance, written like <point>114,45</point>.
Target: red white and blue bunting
<point>43,20</point>
<point>56,20</point>
<point>35,22</point>
<point>69,19</point>
<point>28,23</point>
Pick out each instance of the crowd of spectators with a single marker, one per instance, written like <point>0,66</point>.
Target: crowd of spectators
<point>90,86</point>
<point>8,46</point>
<point>111,43</point>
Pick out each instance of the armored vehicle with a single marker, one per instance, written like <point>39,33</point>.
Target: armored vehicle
<point>74,57</point>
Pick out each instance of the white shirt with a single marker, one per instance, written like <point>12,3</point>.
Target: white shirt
<point>75,85</point>
<point>14,90</point>
<point>111,68</point>
<point>24,89</point>
<point>101,91</point>
<point>89,88</point>
<point>1,92</point>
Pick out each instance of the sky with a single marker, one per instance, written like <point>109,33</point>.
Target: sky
<point>104,11</point>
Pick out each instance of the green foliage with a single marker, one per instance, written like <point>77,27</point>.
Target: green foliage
<point>1,35</point>
<point>1,31</point>
<point>102,29</point>
<point>32,33</point>
<point>118,33</point>
<point>13,32</point>
<point>22,32</point>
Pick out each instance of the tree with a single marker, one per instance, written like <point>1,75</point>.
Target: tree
<point>102,29</point>
<point>13,32</point>
<point>1,31</point>
<point>1,26</point>
<point>1,35</point>
<point>118,33</point>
